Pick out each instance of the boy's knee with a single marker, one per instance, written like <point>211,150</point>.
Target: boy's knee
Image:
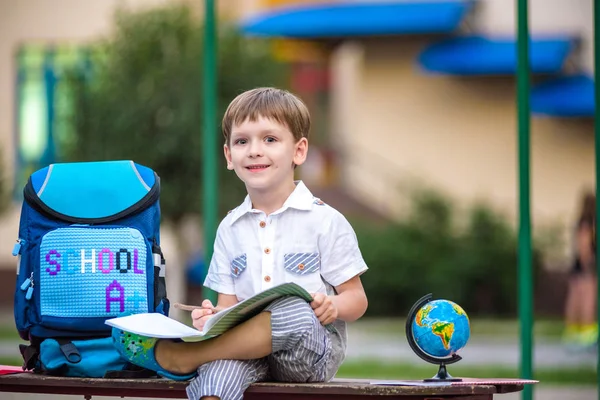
<point>306,320</point>
<point>292,320</point>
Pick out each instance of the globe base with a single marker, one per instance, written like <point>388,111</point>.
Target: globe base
<point>443,376</point>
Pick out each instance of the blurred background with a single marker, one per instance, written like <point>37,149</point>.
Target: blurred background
<point>414,139</point>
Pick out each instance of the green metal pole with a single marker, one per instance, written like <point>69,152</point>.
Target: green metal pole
<point>597,146</point>
<point>209,86</point>
<point>525,254</point>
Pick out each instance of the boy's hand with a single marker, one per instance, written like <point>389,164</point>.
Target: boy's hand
<point>324,308</point>
<point>201,315</point>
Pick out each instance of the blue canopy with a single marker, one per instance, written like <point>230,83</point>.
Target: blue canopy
<point>477,55</point>
<point>568,96</point>
<point>359,19</point>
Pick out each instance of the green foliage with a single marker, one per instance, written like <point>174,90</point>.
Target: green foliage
<point>145,101</point>
<point>474,265</point>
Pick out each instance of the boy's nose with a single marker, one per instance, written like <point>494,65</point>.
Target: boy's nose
<point>255,150</point>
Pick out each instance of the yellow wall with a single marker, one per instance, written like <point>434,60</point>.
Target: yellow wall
<point>399,127</point>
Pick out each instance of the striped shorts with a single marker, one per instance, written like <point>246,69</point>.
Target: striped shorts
<point>303,351</point>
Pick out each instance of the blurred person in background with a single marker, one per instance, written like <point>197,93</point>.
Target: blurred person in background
<point>581,329</point>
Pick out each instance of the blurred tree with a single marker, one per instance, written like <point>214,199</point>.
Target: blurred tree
<point>144,101</point>
<point>472,262</point>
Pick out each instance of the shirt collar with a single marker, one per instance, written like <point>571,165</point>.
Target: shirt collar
<point>301,199</point>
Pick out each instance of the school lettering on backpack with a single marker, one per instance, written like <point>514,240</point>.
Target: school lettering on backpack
<point>88,250</point>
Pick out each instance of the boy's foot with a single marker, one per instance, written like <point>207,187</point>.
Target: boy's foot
<point>140,350</point>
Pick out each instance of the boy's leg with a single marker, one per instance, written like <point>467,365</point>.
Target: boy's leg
<point>226,379</point>
<point>301,345</point>
<point>247,341</point>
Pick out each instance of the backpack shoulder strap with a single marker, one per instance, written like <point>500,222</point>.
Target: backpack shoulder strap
<point>30,356</point>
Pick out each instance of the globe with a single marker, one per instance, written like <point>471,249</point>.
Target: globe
<point>436,330</point>
<point>441,328</point>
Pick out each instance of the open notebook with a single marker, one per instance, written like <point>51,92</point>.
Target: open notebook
<point>159,326</point>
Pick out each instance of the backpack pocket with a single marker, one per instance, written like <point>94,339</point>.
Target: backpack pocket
<point>83,275</point>
<point>91,358</point>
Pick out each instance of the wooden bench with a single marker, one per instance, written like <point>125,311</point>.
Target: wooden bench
<point>338,389</point>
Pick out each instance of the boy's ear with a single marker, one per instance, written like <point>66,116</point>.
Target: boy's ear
<point>301,151</point>
<point>227,153</point>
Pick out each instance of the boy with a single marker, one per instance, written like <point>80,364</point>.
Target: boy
<point>280,233</point>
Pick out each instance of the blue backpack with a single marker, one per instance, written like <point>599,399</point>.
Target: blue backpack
<point>88,250</point>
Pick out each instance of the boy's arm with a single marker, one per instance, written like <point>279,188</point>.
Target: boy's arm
<point>351,300</point>
<point>341,266</point>
<point>225,300</point>
<point>349,304</point>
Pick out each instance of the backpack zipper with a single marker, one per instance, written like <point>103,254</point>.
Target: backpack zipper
<point>16,252</point>
<point>27,285</point>
<point>17,247</point>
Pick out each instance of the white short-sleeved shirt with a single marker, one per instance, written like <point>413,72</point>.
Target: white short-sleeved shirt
<point>306,242</point>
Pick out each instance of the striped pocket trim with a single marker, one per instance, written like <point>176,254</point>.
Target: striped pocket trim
<point>238,265</point>
<point>302,263</point>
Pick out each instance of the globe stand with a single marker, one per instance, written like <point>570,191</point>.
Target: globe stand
<point>442,374</point>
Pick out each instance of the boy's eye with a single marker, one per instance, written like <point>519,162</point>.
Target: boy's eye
<point>240,141</point>
<point>270,139</point>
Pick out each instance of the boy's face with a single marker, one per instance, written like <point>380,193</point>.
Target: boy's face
<point>263,154</point>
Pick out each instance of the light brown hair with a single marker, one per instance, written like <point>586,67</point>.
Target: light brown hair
<point>276,104</point>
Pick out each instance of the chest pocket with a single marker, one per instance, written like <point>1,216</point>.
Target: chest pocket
<point>302,263</point>
<point>238,265</point>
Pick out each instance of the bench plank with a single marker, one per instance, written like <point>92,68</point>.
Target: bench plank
<point>338,389</point>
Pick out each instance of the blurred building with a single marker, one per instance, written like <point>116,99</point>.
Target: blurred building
<point>424,93</point>
<point>398,100</point>
<point>60,29</point>
<point>42,23</point>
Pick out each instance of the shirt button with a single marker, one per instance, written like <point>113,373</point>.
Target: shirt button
<point>262,224</point>
<point>267,250</point>
<point>300,267</point>
<point>267,278</point>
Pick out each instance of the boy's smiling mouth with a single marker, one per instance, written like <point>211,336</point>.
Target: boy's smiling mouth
<point>257,167</point>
